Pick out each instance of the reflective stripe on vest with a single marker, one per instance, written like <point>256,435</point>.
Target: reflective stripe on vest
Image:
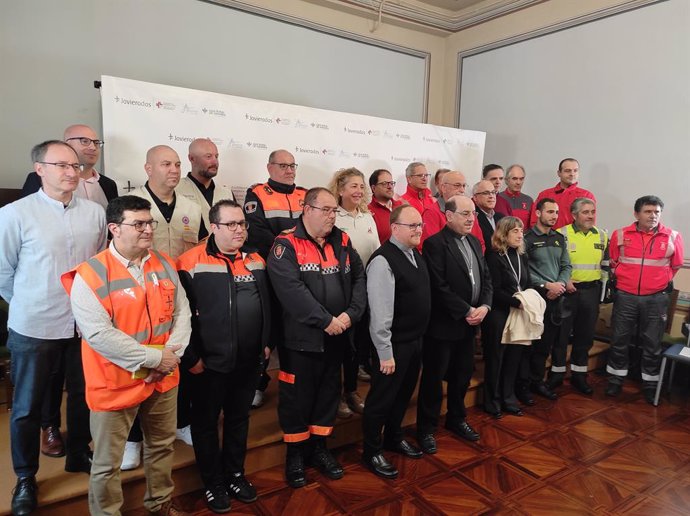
<point>145,314</point>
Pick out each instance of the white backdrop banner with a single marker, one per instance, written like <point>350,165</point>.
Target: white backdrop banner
<point>139,115</point>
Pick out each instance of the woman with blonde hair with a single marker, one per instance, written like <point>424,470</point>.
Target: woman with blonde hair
<point>353,217</point>
<point>507,263</point>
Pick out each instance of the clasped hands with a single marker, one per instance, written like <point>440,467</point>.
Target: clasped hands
<point>169,361</point>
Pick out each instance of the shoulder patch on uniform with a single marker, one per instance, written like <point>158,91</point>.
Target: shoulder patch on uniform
<point>268,190</point>
<point>250,207</point>
<point>278,251</point>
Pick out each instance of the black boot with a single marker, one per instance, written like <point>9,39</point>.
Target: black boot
<point>579,382</point>
<point>322,460</point>
<point>294,466</point>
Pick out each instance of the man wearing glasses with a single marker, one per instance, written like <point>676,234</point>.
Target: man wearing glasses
<point>495,174</point>
<point>452,183</point>
<point>134,319</point>
<point>42,236</point>
<point>382,201</point>
<point>228,292</point>
<point>399,304</point>
<point>418,193</point>
<point>484,196</point>
<point>92,185</point>
<point>271,208</point>
<point>461,294</point>
<point>319,280</point>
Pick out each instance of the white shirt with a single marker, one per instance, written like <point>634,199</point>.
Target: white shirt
<point>361,228</point>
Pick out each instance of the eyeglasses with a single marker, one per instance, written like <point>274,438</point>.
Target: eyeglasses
<point>466,213</point>
<point>87,141</point>
<point>232,226</point>
<point>326,211</point>
<point>488,192</point>
<point>425,176</point>
<point>413,227</point>
<point>140,225</point>
<point>285,166</point>
<point>457,185</point>
<point>386,184</point>
<point>64,166</point>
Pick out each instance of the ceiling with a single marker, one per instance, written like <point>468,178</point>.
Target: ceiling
<point>445,15</point>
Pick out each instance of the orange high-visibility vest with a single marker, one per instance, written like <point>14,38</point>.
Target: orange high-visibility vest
<point>143,314</point>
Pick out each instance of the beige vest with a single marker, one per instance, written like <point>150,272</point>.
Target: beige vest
<point>188,189</point>
<point>182,232</point>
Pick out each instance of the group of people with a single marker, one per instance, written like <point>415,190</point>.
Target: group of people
<point>159,310</point>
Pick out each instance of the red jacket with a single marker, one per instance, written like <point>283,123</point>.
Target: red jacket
<point>382,217</point>
<point>564,198</point>
<point>503,206</point>
<point>419,199</point>
<point>645,263</point>
<point>435,220</point>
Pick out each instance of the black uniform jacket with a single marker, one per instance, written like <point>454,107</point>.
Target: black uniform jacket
<point>451,285</point>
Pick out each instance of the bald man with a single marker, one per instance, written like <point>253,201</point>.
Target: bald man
<point>199,185</point>
<point>451,183</point>
<point>92,185</point>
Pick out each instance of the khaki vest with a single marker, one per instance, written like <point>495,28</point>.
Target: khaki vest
<point>188,189</point>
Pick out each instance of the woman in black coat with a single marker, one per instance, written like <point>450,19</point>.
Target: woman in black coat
<point>507,263</point>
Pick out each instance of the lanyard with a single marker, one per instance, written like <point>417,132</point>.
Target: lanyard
<point>517,275</point>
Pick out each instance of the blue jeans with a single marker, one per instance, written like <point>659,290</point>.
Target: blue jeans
<point>34,364</point>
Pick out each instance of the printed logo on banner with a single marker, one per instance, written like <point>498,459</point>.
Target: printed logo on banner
<point>257,145</point>
<point>190,110</point>
<point>351,130</point>
<point>344,154</point>
<point>470,145</point>
<point>234,144</point>
<point>401,158</point>
<point>255,118</point>
<point>360,155</point>
<point>374,132</point>
<point>301,125</point>
<point>177,138</point>
<point>133,102</point>
<point>217,141</point>
<point>388,135</point>
<point>430,140</point>
<point>307,150</point>
<point>403,136</point>
<point>315,125</point>
<point>213,112</point>
<point>283,121</point>
<point>167,106</point>
<point>328,152</point>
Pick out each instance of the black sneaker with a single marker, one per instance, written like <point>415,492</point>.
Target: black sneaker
<point>24,496</point>
<point>241,488</point>
<point>217,499</point>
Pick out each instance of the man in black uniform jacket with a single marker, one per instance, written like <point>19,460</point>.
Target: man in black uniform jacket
<point>461,293</point>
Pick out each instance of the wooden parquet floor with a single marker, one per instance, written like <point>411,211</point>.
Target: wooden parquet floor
<point>577,455</point>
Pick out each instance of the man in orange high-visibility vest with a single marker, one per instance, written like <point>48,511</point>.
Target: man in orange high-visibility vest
<point>135,323</point>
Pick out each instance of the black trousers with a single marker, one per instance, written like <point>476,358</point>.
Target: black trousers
<point>389,396</point>
<point>510,372</point>
<point>309,390</point>
<point>583,306</point>
<point>232,393</point>
<point>644,317</point>
<point>454,361</point>
<point>551,342</point>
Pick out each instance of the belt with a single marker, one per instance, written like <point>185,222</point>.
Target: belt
<point>587,284</point>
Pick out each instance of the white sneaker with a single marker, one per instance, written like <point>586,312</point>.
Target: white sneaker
<point>132,456</point>
<point>258,399</point>
<point>184,435</point>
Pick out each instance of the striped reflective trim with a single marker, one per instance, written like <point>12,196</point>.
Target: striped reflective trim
<point>306,267</point>
<point>172,273</point>
<point>320,430</point>
<point>586,267</point>
<point>122,284</point>
<point>286,377</point>
<point>558,369</point>
<point>208,267</point>
<point>650,378</point>
<point>141,336</point>
<point>296,438</point>
<point>578,368</point>
<point>162,329</point>
<point>616,372</point>
<point>255,266</point>
<point>277,214</point>
<point>102,274</point>
<point>663,262</point>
